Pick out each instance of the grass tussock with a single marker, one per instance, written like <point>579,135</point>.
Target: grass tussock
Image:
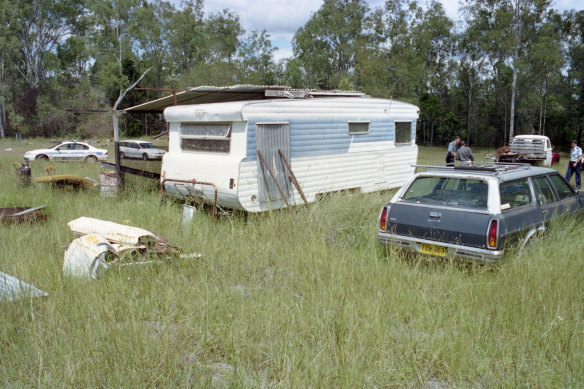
<point>301,298</point>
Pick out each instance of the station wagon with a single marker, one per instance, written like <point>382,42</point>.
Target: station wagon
<point>475,212</point>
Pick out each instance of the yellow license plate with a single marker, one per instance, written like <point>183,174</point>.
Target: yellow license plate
<point>432,249</point>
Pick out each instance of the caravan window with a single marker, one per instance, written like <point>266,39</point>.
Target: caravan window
<point>403,132</point>
<point>205,137</point>
<point>358,128</point>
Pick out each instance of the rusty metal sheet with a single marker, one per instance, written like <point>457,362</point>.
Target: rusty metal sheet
<point>89,256</point>
<point>67,180</point>
<point>114,232</point>
<point>22,214</point>
<point>11,289</point>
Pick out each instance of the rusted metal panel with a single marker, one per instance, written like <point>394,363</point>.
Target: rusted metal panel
<point>22,214</point>
<point>11,289</point>
<point>67,180</point>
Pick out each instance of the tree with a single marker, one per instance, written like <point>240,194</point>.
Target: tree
<point>507,28</point>
<point>573,91</point>
<point>111,42</point>
<point>188,42</point>
<point>40,25</point>
<point>257,60</point>
<point>327,45</point>
<point>222,30</point>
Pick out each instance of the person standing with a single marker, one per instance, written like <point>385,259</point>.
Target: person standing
<point>464,154</point>
<point>574,165</point>
<point>452,149</point>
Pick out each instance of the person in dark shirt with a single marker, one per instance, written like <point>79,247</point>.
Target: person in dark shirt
<point>464,154</point>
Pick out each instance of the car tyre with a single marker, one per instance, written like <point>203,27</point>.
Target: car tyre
<point>91,159</point>
<point>42,157</point>
<point>145,157</point>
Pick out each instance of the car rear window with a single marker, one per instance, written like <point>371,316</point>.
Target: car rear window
<point>449,191</point>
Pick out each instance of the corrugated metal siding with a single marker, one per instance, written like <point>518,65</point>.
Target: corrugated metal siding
<point>270,138</point>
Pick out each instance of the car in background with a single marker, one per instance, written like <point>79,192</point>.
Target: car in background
<point>68,151</point>
<point>140,149</point>
<point>475,212</point>
<point>555,158</point>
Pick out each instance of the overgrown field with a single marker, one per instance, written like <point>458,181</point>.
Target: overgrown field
<point>283,299</point>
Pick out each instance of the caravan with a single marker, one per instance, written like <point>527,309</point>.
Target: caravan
<point>257,155</point>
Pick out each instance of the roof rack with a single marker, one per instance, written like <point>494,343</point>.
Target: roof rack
<point>493,167</point>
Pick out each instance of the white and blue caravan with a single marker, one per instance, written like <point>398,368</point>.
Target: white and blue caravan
<point>330,144</point>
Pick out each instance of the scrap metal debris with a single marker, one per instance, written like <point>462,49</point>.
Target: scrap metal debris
<point>68,181</point>
<point>90,255</point>
<point>11,289</point>
<point>22,214</point>
<point>23,172</point>
<point>104,244</point>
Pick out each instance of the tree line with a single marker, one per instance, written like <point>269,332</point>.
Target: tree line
<point>506,67</point>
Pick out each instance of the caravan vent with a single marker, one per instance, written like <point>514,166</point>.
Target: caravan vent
<point>356,128</point>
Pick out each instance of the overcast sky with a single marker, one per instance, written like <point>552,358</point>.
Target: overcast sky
<point>281,18</point>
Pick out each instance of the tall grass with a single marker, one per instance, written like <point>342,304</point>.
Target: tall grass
<point>286,298</point>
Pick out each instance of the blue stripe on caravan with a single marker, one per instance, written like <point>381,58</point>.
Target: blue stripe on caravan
<point>309,138</point>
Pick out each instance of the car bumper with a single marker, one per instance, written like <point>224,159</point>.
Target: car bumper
<point>451,250</point>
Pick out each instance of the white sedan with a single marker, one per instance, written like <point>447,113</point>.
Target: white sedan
<point>68,151</point>
<point>140,149</point>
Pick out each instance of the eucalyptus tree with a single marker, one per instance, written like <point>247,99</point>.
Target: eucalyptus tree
<point>31,32</point>
<point>543,62</point>
<point>505,29</point>
<point>573,94</point>
<point>432,32</point>
<point>112,43</point>
<point>8,52</point>
<point>222,30</point>
<point>390,67</point>
<point>40,25</point>
<point>215,62</point>
<point>187,40</point>
<point>326,46</point>
<point>256,60</point>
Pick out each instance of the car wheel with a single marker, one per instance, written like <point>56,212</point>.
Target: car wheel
<point>145,157</point>
<point>91,159</point>
<point>42,157</point>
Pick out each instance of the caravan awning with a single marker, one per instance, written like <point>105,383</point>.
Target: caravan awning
<point>217,94</point>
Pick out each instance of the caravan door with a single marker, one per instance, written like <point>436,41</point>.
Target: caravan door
<point>269,138</point>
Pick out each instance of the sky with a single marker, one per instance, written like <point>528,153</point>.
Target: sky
<point>281,18</point>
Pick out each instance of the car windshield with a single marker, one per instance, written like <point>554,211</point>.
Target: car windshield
<point>449,191</point>
<point>147,146</point>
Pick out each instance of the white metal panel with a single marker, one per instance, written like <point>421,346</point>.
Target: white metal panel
<point>332,173</point>
<point>220,112</point>
<point>11,289</point>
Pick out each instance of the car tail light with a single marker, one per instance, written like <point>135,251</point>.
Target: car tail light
<point>383,219</point>
<point>492,235</point>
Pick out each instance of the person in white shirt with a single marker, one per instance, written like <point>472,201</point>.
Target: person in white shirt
<point>574,165</point>
<point>452,149</point>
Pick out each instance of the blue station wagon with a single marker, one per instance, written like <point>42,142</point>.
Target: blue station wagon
<point>475,212</point>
